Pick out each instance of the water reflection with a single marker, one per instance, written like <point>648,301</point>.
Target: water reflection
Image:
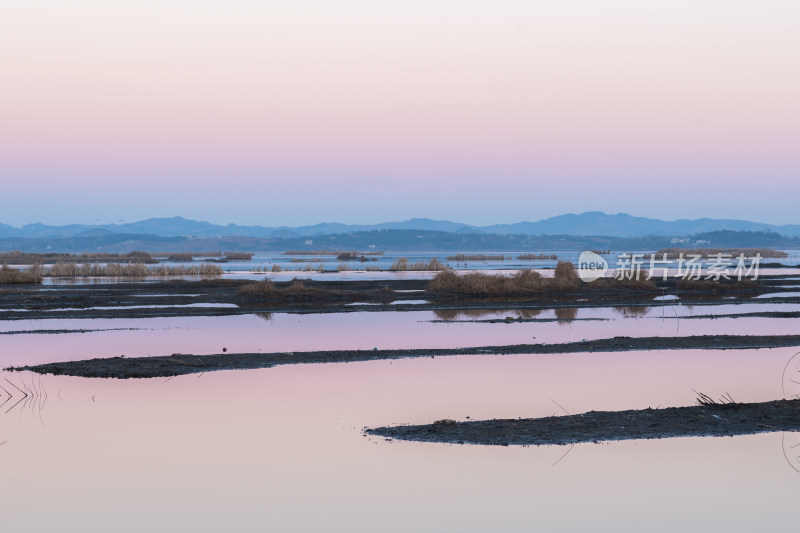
<point>233,449</point>
<point>566,313</point>
<point>23,393</point>
<point>633,311</point>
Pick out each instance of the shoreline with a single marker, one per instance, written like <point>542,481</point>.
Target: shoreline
<point>181,364</point>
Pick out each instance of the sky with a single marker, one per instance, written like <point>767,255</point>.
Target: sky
<point>289,112</point>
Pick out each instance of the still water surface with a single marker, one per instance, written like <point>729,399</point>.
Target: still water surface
<point>282,449</point>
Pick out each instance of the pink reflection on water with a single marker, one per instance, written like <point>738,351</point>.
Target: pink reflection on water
<point>363,330</point>
<point>231,449</point>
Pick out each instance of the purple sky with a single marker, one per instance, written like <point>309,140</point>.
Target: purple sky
<point>298,112</point>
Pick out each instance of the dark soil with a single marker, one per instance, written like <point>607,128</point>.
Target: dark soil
<point>78,301</point>
<point>178,364</point>
<point>596,426</point>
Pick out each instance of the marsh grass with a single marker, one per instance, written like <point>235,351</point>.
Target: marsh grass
<point>403,264</point>
<point>674,253</point>
<point>523,282</point>
<point>22,258</point>
<point>537,257</point>
<point>135,270</point>
<point>10,276</point>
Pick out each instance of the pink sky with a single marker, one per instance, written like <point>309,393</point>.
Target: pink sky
<point>356,111</point>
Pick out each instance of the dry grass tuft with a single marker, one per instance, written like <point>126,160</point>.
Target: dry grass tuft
<point>130,270</point>
<point>479,284</point>
<point>565,275</point>
<point>523,282</point>
<point>260,289</point>
<point>403,264</point>
<point>10,276</point>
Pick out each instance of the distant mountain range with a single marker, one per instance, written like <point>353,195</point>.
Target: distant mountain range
<point>593,223</point>
<point>392,240</point>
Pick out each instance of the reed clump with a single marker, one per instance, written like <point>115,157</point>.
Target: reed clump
<point>523,282</point>
<point>11,276</point>
<point>403,264</point>
<point>479,284</point>
<point>566,276</point>
<point>123,270</point>
<point>537,257</point>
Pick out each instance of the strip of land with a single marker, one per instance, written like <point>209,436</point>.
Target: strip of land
<point>179,364</point>
<point>63,331</point>
<point>596,426</point>
<point>186,298</point>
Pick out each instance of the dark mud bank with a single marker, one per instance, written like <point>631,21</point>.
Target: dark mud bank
<point>178,364</point>
<point>597,426</point>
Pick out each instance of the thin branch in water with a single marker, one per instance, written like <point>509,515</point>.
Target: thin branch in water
<point>562,457</point>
